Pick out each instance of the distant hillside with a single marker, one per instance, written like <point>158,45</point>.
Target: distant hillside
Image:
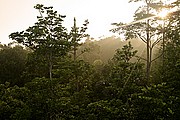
<point>104,49</point>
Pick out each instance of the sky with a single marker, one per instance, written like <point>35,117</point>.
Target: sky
<point>18,15</point>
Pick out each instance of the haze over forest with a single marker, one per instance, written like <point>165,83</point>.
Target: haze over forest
<point>17,17</point>
<point>57,69</point>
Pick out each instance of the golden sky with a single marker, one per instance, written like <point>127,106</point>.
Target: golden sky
<point>18,15</point>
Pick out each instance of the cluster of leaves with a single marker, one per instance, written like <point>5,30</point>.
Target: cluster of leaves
<point>12,59</point>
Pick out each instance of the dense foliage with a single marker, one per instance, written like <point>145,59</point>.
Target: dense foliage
<point>56,77</point>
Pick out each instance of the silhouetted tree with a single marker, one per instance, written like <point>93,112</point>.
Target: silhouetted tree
<point>47,37</point>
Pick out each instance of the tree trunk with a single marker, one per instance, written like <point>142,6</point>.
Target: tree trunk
<point>50,66</point>
<point>163,49</point>
<point>148,47</point>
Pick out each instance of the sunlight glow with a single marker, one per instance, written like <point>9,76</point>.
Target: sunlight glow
<point>163,13</point>
<point>100,13</point>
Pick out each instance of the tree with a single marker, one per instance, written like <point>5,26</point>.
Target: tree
<point>12,64</point>
<point>13,102</point>
<point>171,68</point>
<point>152,102</point>
<point>77,34</point>
<point>124,71</point>
<point>47,37</point>
<point>145,27</point>
<point>121,77</point>
<point>36,66</point>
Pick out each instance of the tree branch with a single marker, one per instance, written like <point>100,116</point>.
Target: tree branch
<point>157,57</point>
<point>143,39</point>
<point>156,42</point>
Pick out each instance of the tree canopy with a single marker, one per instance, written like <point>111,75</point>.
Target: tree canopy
<point>54,75</point>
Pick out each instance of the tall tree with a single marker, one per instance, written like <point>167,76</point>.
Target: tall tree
<point>145,27</point>
<point>77,34</point>
<point>47,36</point>
<point>171,68</point>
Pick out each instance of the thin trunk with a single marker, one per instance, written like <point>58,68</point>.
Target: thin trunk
<point>50,66</point>
<point>76,78</point>
<point>74,40</point>
<point>148,58</point>
<point>148,47</point>
<point>75,53</point>
<point>163,46</point>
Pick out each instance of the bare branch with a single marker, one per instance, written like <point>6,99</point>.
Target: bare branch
<point>143,39</point>
<point>157,57</point>
<point>156,42</point>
